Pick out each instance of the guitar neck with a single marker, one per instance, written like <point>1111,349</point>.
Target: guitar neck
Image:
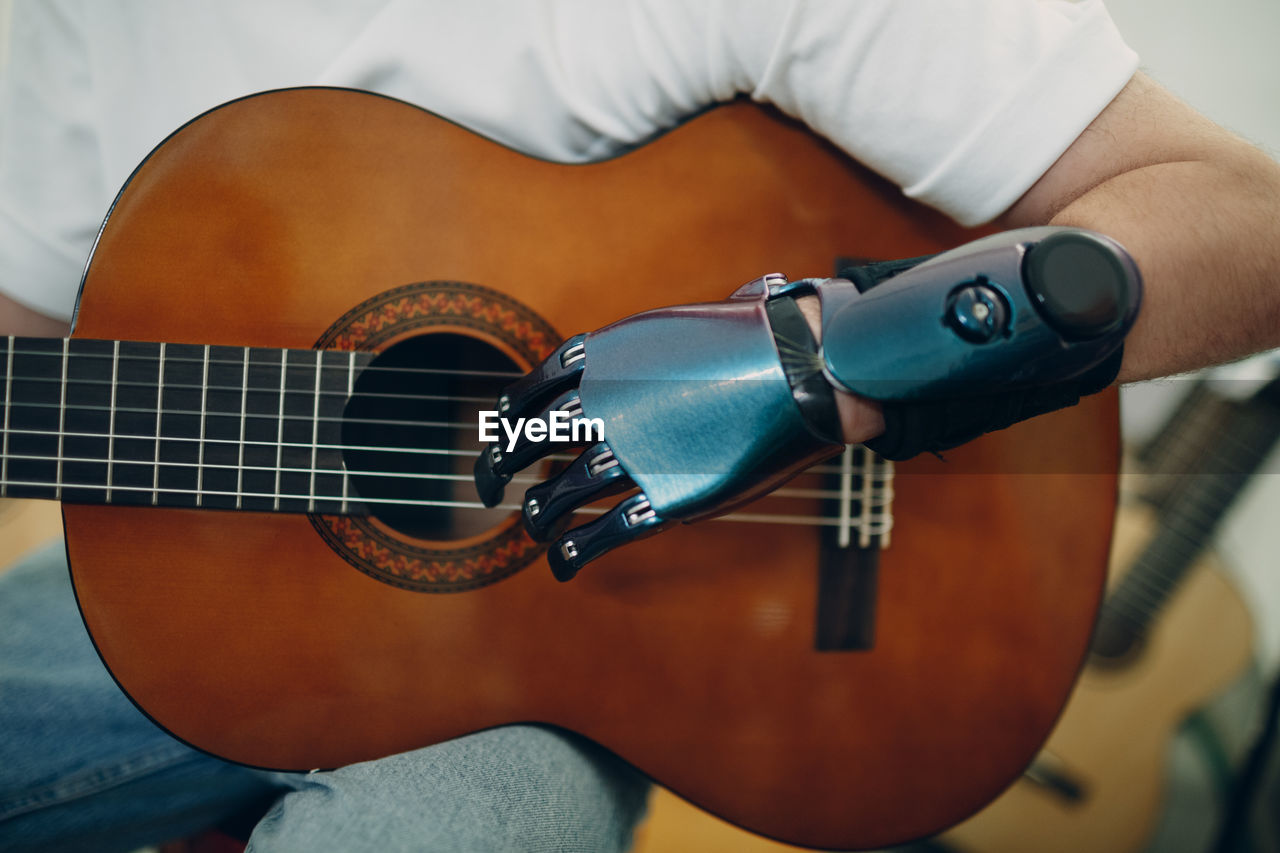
<point>176,425</point>
<point>1240,436</point>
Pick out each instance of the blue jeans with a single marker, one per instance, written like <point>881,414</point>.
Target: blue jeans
<point>82,769</point>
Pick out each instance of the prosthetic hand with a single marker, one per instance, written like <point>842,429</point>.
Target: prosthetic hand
<point>704,407</point>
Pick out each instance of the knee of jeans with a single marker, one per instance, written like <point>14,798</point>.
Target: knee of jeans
<point>514,788</point>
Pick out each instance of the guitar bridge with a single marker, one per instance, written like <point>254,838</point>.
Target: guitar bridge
<point>848,568</point>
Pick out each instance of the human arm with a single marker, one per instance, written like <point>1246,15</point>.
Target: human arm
<point>18,319</point>
<point>1198,208</point>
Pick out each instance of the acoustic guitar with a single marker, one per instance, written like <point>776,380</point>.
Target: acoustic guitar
<point>1172,633</point>
<point>274,542</point>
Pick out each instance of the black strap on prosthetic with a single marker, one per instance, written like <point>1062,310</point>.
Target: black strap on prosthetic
<point>934,426</point>
<point>813,393</point>
<point>938,425</point>
<point>867,276</point>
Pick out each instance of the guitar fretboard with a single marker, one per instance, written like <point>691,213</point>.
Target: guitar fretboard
<point>177,425</point>
<point>1226,443</point>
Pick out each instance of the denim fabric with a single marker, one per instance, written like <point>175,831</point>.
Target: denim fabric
<point>82,769</point>
<point>514,788</point>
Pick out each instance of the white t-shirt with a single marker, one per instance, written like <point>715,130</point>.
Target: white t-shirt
<point>963,103</point>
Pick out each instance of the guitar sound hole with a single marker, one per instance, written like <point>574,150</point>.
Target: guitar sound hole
<point>410,434</point>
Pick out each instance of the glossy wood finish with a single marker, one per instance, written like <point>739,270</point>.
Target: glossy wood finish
<point>691,654</point>
<point>1114,736</point>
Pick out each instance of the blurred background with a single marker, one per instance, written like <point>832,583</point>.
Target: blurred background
<point>1222,58</point>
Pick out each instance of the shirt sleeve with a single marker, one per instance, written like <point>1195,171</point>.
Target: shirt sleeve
<point>52,194</point>
<point>962,103</point>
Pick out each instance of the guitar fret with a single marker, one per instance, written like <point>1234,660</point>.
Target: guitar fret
<point>213,431</point>
<point>244,402</point>
<point>8,405</point>
<point>135,413</point>
<point>181,405</point>
<point>261,429</point>
<point>1219,445</point>
<point>204,415</point>
<point>315,434</point>
<point>351,390</point>
<point>155,481</point>
<point>62,417</point>
<point>111,418</point>
<point>334,383</point>
<point>297,429</point>
<point>83,422</point>
<point>33,439</point>
<point>284,373</point>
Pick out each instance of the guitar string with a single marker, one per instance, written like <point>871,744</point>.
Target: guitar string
<point>879,520</point>
<point>273,417</point>
<point>150,437</point>
<point>879,496</point>
<point>284,362</point>
<point>171,359</point>
<point>880,523</point>
<point>238,389</point>
<point>1218,486</point>
<point>879,493</point>
<point>367,369</point>
<point>1199,423</point>
<point>1141,594</point>
<point>551,457</point>
<point>274,391</point>
<point>1135,599</point>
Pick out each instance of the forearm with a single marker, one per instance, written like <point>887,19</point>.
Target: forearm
<point>1207,239</point>
<point>1199,210</point>
<point>1201,216</point>
<point>18,319</point>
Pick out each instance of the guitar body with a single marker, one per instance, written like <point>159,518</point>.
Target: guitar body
<point>1114,735</point>
<point>299,641</point>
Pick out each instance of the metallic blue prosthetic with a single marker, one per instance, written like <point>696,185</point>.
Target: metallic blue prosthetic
<point>707,406</point>
<point>1019,309</point>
